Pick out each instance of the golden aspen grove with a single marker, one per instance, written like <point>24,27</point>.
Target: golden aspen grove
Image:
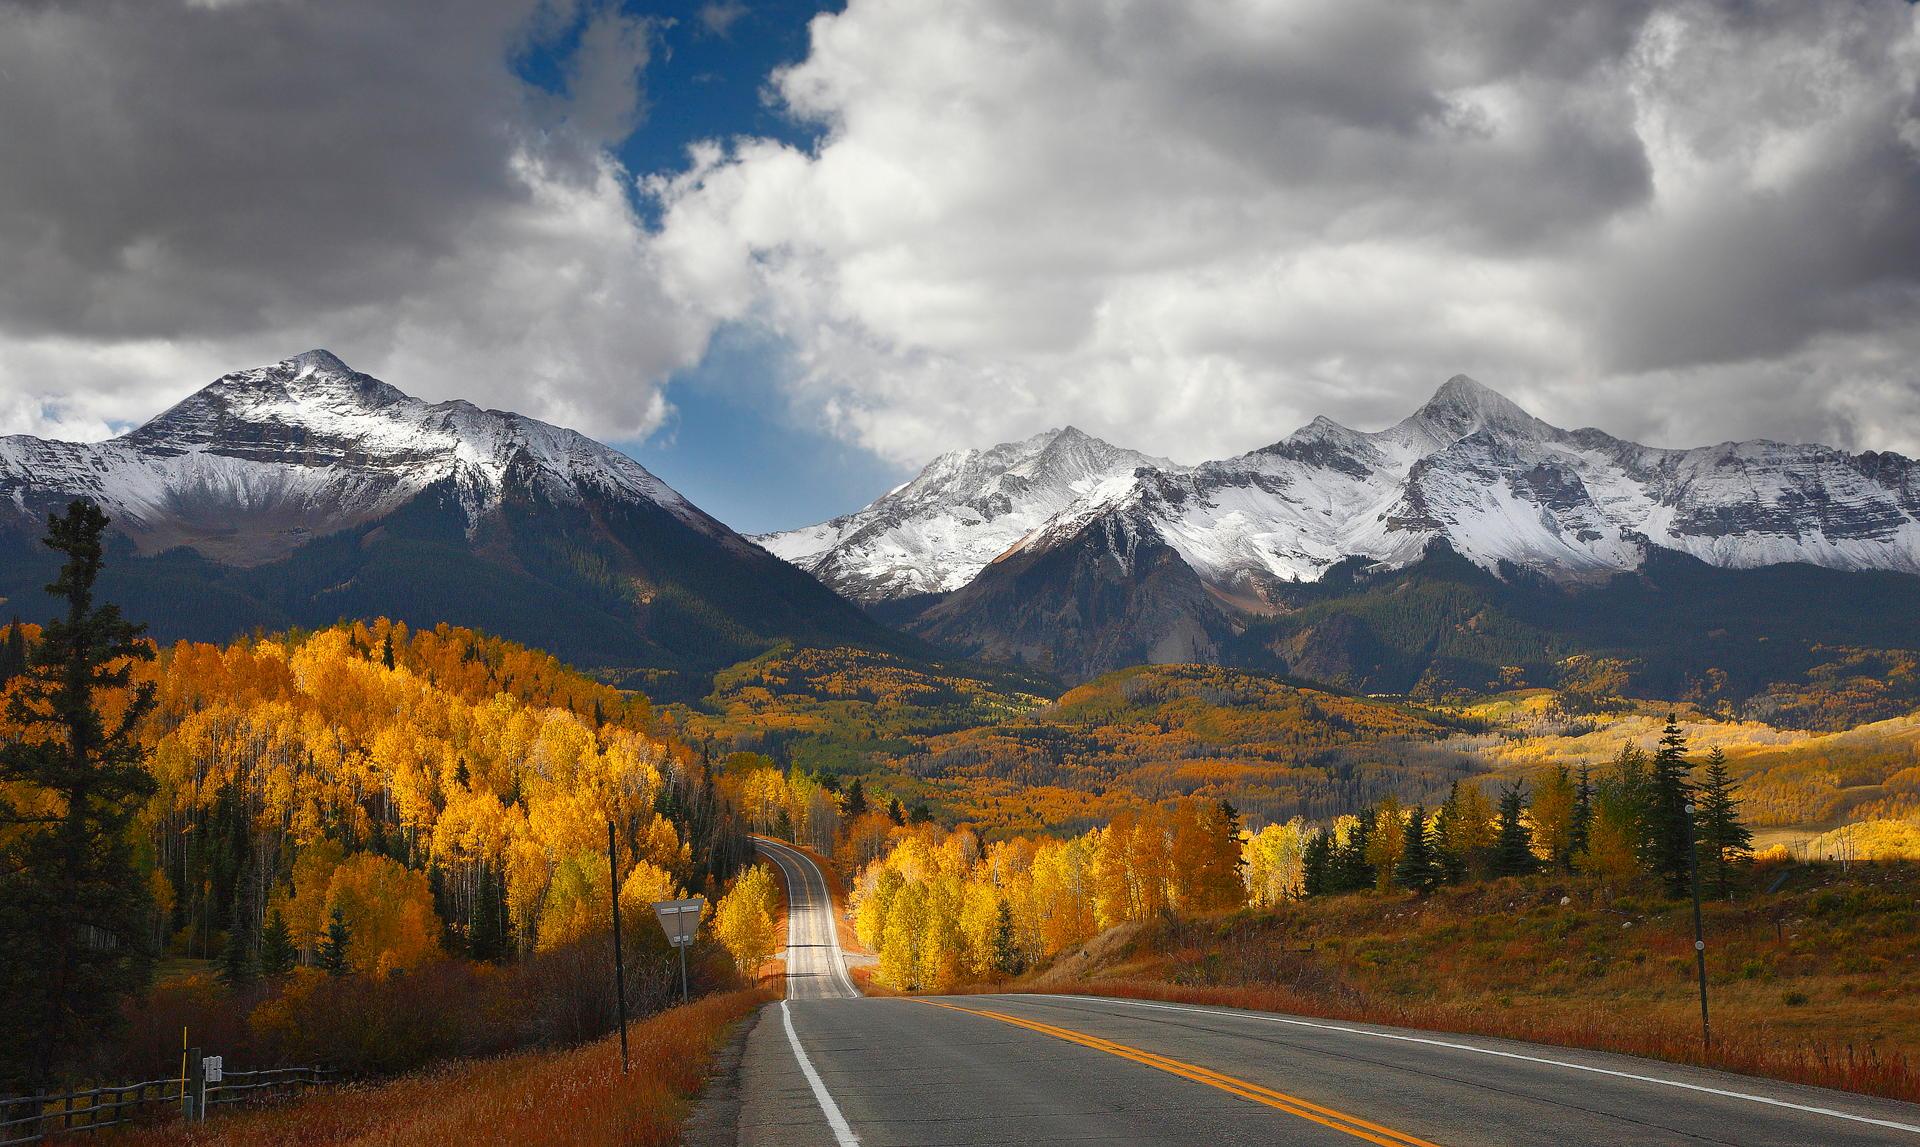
<point>352,820</point>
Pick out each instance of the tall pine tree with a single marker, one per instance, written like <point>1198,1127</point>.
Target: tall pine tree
<point>277,955</point>
<point>1316,865</point>
<point>1352,871</point>
<point>1512,843</point>
<point>332,953</point>
<point>1666,846</point>
<point>73,909</point>
<point>1582,830</point>
<point>13,652</point>
<point>1725,843</point>
<point>1418,869</point>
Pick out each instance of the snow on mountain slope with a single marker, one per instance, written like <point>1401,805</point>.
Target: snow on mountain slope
<point>935,533</point>
<point>1469,468</point>
<point>262,460</point>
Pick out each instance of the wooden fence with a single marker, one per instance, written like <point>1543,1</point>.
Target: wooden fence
<point>35,1118</point>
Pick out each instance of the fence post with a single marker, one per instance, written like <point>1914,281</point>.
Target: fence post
<point>193,1095</point>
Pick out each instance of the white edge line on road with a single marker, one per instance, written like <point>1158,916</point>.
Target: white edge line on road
<point>842,1132</point>
<point>783,855</point>
<point>1654,1079</point>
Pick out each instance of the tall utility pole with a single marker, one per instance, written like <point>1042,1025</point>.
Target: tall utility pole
<point>619,961</point>
<point>1699,936</point>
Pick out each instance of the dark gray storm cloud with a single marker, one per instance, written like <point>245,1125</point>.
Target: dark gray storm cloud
<point>1192,226</point>
<point>190,187</point>
<point>1187,226</point>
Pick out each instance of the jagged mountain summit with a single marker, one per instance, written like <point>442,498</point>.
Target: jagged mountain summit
<point>304,491</point>
<point>263,460</point>
<point>1171,563</point>
<point>1469,468</point>
<point>935,533</point>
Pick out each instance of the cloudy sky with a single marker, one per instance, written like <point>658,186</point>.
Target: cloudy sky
<point>786,255</point>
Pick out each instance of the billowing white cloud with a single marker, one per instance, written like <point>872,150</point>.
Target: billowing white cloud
<point>1191,226</point>
<point>189,189</point>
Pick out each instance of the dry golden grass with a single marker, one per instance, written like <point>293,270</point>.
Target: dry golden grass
<point>1818,984</point>
<point>577,1096</point>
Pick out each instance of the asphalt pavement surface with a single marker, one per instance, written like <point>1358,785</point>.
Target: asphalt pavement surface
<point>827,1066</point>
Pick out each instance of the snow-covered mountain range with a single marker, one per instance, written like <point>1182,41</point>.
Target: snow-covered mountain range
<point>1469,468</point>
<point>303,492</point>
<point>263,460</point>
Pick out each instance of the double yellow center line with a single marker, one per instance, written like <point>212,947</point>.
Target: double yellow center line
<point>1291,1104</point>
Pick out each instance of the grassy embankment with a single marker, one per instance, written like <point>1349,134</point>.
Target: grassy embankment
<point>577,1096</point>
<point>1817,983</point>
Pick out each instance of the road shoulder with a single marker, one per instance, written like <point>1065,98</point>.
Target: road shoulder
<point>715,1121</point>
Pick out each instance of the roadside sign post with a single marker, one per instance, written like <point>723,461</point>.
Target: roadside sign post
<point>619,960</point>
<point>680,919</point>
<point>1699,935</point>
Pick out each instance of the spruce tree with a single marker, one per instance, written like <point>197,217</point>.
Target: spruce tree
<point>486,935</point>
<point>1007,958</point>
<point>1418,870</point>
<point>854,804</point>
<point>1668,829</point>
<point>386,650</point>
<point>1449,852</point>
<point>1316,865</point>
<point>332,952</point>
<point>1582,828</point>
<point>895,813</point>
<point>1725,843</point>
<point>1513,845</point>
<point>1351,869</point>
<point>13,653</point>
<point>74,910</point>
<point>277,955</point>
<point>239,965</point>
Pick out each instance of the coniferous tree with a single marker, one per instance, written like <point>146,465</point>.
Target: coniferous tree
<point>277,955</point>
<point>1725,843</point>
<point>239,963</point>
<point>1316,865</point>
<point>1512,845</point>
<point>895,813</point>
<point>1668,829</point>
<point>486,934</point>
<point>332,952</point>
<point>1581,831</point>
<point>1007,958</point>
<point>920,813</point>
<point>386,650</point>
<point>13,653</point>
<point>1352,871</point>
<point>1418,869</point>
<point>74,911</point>
<point>854,804</point>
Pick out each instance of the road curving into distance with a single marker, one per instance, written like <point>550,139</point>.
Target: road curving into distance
<point>834,1068</point>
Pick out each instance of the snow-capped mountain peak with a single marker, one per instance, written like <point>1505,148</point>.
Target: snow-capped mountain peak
<point>262,460</point>
<point>934,533</point>
<point>1470,468</point>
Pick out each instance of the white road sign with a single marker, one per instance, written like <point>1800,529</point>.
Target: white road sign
<point>680,919</point>
<point>212,1065</point>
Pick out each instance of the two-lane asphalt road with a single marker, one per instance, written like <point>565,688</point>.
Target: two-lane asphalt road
<point>827,1067</point>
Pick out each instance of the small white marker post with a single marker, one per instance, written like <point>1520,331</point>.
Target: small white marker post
<point>680,919</point>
